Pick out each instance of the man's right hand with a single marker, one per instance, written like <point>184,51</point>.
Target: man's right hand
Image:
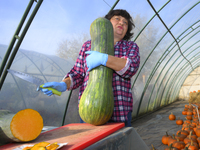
<point>59,86</point>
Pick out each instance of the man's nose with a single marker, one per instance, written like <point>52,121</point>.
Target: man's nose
<point>121,22</point>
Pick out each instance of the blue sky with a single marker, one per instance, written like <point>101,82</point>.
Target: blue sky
<point>58,20</point>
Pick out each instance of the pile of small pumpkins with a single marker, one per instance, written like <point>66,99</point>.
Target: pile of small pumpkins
<point>188,138</point>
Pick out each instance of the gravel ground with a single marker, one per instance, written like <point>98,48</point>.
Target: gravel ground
<point>152,127</point>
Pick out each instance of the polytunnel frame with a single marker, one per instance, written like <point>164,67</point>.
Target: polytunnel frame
<point>159,62</point>
<point>10,55</point>
<point>180,56</point>
<point>171,76</point>
<point>183,79</point>
<point>146,85</point>
<point>169,69</point>
<point>186,75</point>
<point>160,38</point>
<point>173,71</point>
<point>41,73</point>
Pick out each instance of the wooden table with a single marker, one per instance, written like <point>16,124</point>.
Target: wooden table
<point>77,135</point>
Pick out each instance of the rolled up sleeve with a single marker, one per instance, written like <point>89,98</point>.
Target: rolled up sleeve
<point>133,61</point>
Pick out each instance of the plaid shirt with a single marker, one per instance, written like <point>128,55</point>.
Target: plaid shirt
<point>123,100</point>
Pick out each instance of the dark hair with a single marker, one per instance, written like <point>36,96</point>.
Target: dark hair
<point>125,14</point>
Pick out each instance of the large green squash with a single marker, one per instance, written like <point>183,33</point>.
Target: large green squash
<point>97,101</point>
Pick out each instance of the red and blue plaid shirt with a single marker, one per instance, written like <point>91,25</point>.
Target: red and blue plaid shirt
<point>123,100</point>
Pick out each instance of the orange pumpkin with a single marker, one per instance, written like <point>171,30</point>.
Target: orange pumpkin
<point>165,138</point>
<point>192,146</point>
<point>197,131</point>
<point>172,116</point>
<point>179,121</point>
<point>188,127</point>
<point>180,136</point>
<point>194,113</point>
<point>189,139</point>
<point>183,132</point>
<point>184,112</point>
<point>178,144</point>
<point>187,120</point>
<point>194,136</point>
<point>172,140</point>
<point>189,112</point>
<point>189,117</point>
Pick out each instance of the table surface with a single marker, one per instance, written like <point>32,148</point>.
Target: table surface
<point>77,135</point>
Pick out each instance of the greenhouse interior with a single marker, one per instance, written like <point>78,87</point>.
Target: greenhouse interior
<point>42,39</point>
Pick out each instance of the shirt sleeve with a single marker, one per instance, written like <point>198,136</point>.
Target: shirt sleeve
<point>133,61</point>
<point>71,85</point>
<point>123,70</point>
<point>78,72</point>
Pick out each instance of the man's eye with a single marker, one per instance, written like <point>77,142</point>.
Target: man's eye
<point>125,22</point>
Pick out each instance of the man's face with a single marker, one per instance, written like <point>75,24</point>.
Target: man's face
<point>120,26</point>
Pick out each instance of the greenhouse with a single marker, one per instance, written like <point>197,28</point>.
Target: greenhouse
<point>43,39</point>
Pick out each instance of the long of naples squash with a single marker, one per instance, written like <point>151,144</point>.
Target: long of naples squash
<point>97,101</point>
<point>24,126</point>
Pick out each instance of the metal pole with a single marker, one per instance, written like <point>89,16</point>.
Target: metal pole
<point>20,39</point>
<point>114,5</point>
<point>10,47</point>
<point>169,31</point>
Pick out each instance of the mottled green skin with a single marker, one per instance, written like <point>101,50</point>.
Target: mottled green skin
<point>97,101</point>
<point>6,135</point>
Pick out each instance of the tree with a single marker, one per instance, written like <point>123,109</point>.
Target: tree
<point>70,48</point>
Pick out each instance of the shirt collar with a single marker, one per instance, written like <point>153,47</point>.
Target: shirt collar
<point>119,42</point>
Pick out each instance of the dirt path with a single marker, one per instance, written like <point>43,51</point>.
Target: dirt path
<point>152,127</point>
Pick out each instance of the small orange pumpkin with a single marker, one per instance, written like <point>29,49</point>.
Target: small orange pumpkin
<point>165,138</point>
<point>189,139</point>
<point>179,121</point>
<point>189,112</point>
<point>183,132</point>
<point>178,144</point>
<point>172,140</point>
<point>184,112</point>
<point>172,116</point>
<point>180,136</point>
<point>194,136</point>
<point>192,146</point>
<point>197,131</point>
<point>189,117</point>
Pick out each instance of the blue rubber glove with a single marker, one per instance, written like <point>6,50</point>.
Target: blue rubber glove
<point>59,86</point>
<point>95,59</point>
